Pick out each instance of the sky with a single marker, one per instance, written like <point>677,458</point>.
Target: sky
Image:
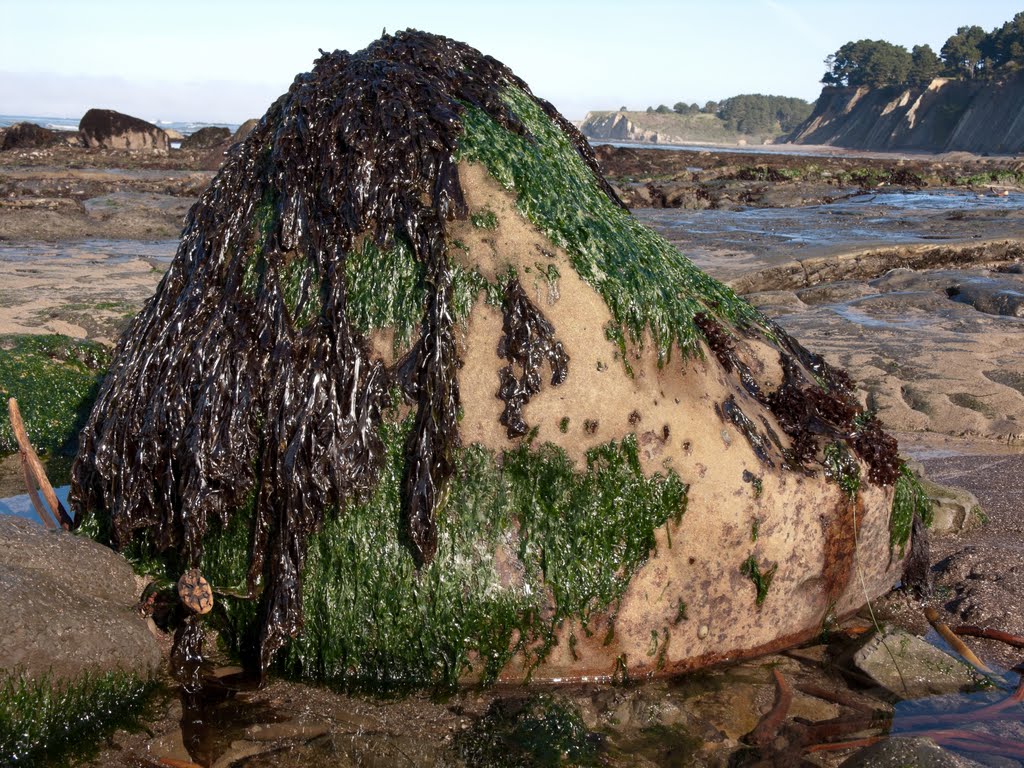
<point>227,60</point>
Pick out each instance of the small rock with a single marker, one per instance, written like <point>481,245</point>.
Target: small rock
<point>904,752</point>
<point>29,136</point>
<point>954,510</point>
<point>244,130</point>
<point>909,667</point>
<point>293,729</point>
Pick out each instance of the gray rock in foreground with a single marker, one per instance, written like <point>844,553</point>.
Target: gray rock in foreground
<point>68,606</point>
<point>904,753</point>
<point>909,667</point>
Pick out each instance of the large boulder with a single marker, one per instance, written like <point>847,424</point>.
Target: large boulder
<point>424,402</point>
<point>113,130</point>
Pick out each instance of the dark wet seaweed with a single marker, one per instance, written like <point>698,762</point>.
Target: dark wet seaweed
<point>528,341</point>
<point>730,411</point>
<point>244,380</point>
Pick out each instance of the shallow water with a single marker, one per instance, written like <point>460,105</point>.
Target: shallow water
<point>112,251</point>
<point>860,220</point>
<point>21,506</point>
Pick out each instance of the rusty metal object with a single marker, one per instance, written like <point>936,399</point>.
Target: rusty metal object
<point>35,475</point>
<point>195,592</point>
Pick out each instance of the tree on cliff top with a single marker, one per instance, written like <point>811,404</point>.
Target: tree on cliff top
<point>871,63</point>
<point>925,65</point>
<point>963,52</point>
<point>970,53</point>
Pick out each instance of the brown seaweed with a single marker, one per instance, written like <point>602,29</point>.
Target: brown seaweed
<point>243,385</point>
<point>528,340</point>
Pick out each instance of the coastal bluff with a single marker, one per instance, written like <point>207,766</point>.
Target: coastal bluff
<point>945,116</point>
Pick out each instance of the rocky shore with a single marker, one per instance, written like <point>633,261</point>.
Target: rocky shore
<point>931,330</point>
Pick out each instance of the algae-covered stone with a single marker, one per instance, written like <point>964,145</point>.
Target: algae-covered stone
<point>54,378</point>
<point>423,402</point>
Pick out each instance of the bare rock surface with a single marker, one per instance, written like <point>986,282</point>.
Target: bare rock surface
<point>911,668</point>
<point>903,752</point>
<point>68,606</point>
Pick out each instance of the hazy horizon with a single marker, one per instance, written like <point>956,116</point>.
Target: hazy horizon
<point>217,62</point>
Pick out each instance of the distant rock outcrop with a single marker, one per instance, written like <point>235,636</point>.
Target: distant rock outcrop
<point>944,116</point>
<point>616,126</point>
<point>113,130</point>
<point>207,138</point>
<point>29,136</point>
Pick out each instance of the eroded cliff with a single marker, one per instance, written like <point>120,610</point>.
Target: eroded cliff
<point>945,116</point>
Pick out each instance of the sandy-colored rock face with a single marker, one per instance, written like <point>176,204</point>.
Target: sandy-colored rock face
<point>691,604</point>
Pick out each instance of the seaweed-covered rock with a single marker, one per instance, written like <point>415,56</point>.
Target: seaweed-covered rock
<point>423,401</point>
<point>114,130</point>
<point>207,138</point>
<point>29,136</point>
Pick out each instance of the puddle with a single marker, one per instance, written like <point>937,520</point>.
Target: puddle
<point>111,251</point>
<point>21,505</point>
<point>886,218</point>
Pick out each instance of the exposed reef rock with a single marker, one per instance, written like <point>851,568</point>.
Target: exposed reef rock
<point>423,402</point>
<point>617,126</point>
<point>944,116</point>
<point>29,136</point>
<point>207,138</point>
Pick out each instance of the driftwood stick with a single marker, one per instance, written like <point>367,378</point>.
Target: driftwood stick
<point>955,642</point>
<point>35,474</point>
<point>766,730</point>
<point>42,512</point>
<point>969,630</point>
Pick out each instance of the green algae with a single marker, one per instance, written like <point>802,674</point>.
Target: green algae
<point>542,731</point>
<point>506,547</point>
<point>582,529</point>
<point>909,498</point>
<point>385,289</point>
<point>265,221</point>
<point>485,219</point>
<point>301,290</point>
<point>55,380</point>
<point>54,722</point>
<point>842,468</point>
<point>647,284</point>
<point>762,580</point>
